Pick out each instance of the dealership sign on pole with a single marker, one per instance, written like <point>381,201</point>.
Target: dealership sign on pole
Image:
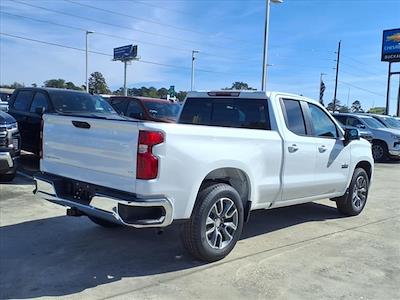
<point>125,54</point>
<point>391,54</point>
<point>391,45</point>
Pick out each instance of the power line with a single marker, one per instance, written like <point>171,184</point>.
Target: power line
<point>359,68</point>
<point>106,54</point>
<point>165,8</point>
<point>147,20</point>
<point>360,88</point>
<point>187,50</point>
<point>358,61</point>
<point>111,24</point>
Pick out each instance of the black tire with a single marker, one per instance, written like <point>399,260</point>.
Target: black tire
<point>210,201</point>
<point>103,223</point>
<point>7,177</point>
<point>380,151</point>
<point>349,204</point>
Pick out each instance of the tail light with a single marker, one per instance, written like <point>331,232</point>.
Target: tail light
<point>147,162</point>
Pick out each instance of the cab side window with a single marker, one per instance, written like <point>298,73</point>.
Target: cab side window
<point>135,110</point>
<point>294,117</point>
<point>322,124</point>
<point>23,100</point>
<point>354,122</point>
<point>39,101</point>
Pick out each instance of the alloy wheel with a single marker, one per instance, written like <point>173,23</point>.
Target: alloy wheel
<point>221,224</point>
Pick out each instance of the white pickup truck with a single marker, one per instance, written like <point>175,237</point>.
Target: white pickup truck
<point>230,153</point>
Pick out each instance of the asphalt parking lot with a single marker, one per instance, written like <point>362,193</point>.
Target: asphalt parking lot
<point>302,252</point>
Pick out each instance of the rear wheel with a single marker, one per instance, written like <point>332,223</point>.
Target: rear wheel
<point>7,177</point>
<point>216,223</point>
<point>379,151</point>
<point>103,223</point>
<point>354,201</point>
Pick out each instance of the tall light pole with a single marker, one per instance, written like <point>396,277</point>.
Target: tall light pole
<point>265,52</point>
<point>86,70</point>
<point>192,78</point>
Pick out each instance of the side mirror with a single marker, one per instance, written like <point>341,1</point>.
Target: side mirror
<point>351,135</point>
<point>362,126</point>
<point>40,110</point>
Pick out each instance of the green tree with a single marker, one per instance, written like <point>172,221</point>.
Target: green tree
<point>97,84</point>
<point>14,85</point>
<point>239,85</point>
<point>377,110</point>
<point>337,106</point>
<point>162,93</point>
<point>55,83</point>
<point>356,107</point>
<point>71,86</point>
<point>343,109</point>
<point>181,95</point>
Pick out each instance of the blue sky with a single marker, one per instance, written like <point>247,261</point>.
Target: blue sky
<point>229,35</point>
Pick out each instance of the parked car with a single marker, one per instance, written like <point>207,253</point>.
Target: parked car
<point>386,141</point>
<point>145,108</point>
<point>229,154</point>
<point>364,133</point>
<point>5,95</point>
<point>27,106</point>
<point>387,121</point>
<point>10,142</point>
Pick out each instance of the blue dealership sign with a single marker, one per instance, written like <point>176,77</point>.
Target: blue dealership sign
<point>391,45</point>
<point>125,52</point>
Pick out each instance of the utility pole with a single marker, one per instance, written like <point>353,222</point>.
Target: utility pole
<point>125,89</point>
<point>192,77</point>
<point>337,75</point>
<point>86,52</point>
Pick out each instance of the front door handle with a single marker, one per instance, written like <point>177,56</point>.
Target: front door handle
<point>293,148</point>
<point>322,148</point>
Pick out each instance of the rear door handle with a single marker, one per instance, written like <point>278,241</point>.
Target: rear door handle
<point>322,148</point>
<point>80,124</point>
<point>293,148</point>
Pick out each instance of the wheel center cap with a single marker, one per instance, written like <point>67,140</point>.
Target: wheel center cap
<point>218,222</point>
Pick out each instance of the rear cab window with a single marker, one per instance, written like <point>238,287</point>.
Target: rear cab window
<point>23,100</point>
<point>226,112</point>
<point>72,102</point>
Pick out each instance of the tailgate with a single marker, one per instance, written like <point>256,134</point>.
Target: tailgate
<point>92,150</point>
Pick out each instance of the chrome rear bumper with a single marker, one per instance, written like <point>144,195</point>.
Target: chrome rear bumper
<point>108,207</point>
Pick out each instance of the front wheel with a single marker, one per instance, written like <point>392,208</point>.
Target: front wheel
<point>379,151</point>
<point>354,201</point>
<point>216,223</point>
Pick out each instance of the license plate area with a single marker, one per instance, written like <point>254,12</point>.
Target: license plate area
<point>78,191</point>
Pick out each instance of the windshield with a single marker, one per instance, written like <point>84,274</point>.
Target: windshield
<point>162,110</point>
<point>371,122</point>
<point>75,102</point>
<point>391,122</point>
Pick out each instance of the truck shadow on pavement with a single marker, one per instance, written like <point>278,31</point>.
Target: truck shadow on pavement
<point>63,255</point>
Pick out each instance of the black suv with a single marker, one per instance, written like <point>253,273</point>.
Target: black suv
<point>27,106</point>
<point>10,142</point>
